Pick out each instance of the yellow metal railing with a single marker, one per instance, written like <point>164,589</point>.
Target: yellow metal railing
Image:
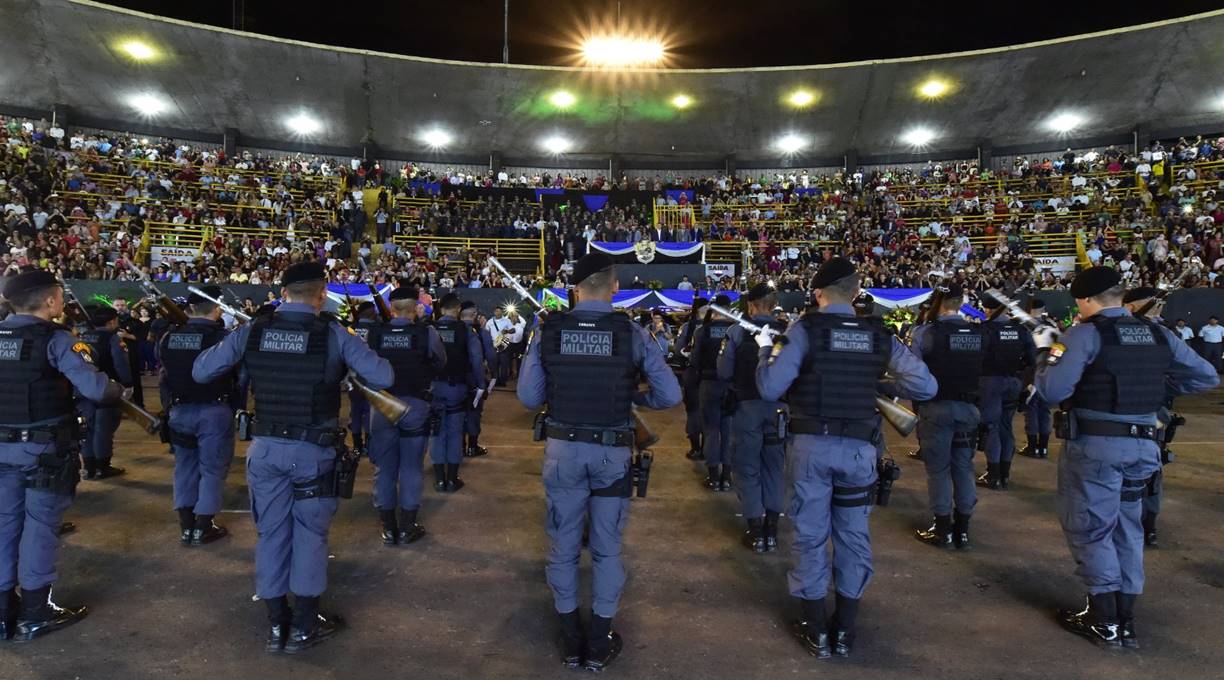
<point>510,250</point>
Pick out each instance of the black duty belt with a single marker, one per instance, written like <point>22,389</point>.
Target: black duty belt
<point>835,428</point>
<point>310,435</point>
<point>39,435</point>
<point>1105,428</point>
<point>590,435</point>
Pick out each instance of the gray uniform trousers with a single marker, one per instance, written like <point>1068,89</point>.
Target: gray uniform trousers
<point>200,470</point>
<point>949,429</point>
<point>998,407</point>
<point>398,453</point>
<point>715,427</point>
<point>757,457</point>
<point>29,520</point>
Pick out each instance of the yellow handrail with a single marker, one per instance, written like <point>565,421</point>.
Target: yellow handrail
<point>507,249</point>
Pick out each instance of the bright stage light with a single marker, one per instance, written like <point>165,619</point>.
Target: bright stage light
<point>555,145</point>
<point>934,88</point>
<point>562,99</point>
<point>303,124</point>
<point>801,98</point>
<point>138,50</point>
<point>436,138</point>
<point>681,101</point>
<point>918,136</point>
<point>1064,122</point>
<point>620,51</point>
<point>790,143</point>
<point>148,104</point>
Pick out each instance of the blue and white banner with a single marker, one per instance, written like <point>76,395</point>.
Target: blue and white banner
<point>645,252</point>
<point>358,292</point>
<point>893,298</point>
<point>626,299</point>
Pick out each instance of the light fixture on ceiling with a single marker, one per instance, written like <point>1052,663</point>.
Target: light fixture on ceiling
<point>801,98</point>
<point>934,88</point>
<point>436,138</point>
<point>303,124</point>
<point>138,50</point>
<point>562,99</point>
<point>1065,122</point>
<point>919,136</point>
<point>790,143</point>
<point>682,101</point>
<point>555,145</point>
<point>622,51</point>
<point>147,104</point>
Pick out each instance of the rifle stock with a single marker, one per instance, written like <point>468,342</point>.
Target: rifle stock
<point>147,420</point>
<point>384,312</point>
<point>382,401</point>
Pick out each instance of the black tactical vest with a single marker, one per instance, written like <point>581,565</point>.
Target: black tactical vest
<point>31,389</point>
<point>362,328</point>
<point>588,363</point>
<point>286,357</point>
<point>179,349</point>
<point>1006,354</point>
<point>100,341</point>
<point>710,337</point>
<point>406,347</point>
<point>955,359</point>
<point>746,354</point>
<point>454,334</point>
<point>1128,375</point>
<point>846,356</point>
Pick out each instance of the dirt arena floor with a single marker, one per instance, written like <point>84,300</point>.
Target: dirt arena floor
<point>469,601</point>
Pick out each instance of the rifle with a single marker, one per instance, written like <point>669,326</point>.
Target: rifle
<point>228,309</point>
<point>1165,292</point>
<point>164,303</point>
<point>384,312</point>
<point>383,401</point>
<point>1030,322</point>
<point>902,419</point>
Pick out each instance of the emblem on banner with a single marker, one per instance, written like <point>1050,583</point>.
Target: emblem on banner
<point>645,251</point>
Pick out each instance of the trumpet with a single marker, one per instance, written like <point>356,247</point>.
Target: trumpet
<point>382,401</point>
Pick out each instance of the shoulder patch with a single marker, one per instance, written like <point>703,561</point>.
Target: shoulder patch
<point>350,330</point>
<point>84,351</point>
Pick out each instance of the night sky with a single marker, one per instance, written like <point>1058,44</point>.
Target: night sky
<point>703,33</point>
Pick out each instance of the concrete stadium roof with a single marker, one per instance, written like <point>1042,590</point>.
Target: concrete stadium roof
<point>1156,79</point>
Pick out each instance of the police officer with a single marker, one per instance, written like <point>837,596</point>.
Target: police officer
<point>755,440</point>
<point>1114,372</point>
<point>201,420</point>
<point>712,395</point>
<point>472,417</point>
<point>828,368</point>
<point>40,364</point>
<point>1037,420</point>
<point>587,471</point>
<point>103,419</point>
<point>1013,350</point>
<point>452,392</point>
<point>691,381</point>
<point>397,449</point>
<point>365,318</point>
<point>953,351</point>
<point>296,359</point>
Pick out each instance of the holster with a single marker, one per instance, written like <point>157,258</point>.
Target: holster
<point>538,427</point>
<point>1066,426</point>
<point>983,436</point>
<point>641,472</point>
<point>621,488</point>
<point>243,428</point>
<point>58,472</point>
<point>163,428</point>
<point>339,482</point>
<point>781,427</point>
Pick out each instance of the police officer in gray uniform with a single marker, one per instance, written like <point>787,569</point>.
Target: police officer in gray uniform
<point>103,419</point>
<point>712,394</point>
<point>1012,352</point>
<point>953,350</point>
<point>756,443</point>
<point>828,366</point>
<point>452,392</point>
<point>201,420</point>
<point>1114,372</point>
<point>40,364</point>
<point>1037,419</point>
<point>296,359</point>
<point>471,422</point>
<point>359,406</point>
<point>690,381</point>
<point>398,449</point>
<point>587,472</point>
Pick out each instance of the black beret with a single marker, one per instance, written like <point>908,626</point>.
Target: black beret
<point>832,271</point>
<point>449,300</point>
<point>214,291</point>
<point>405,293</point>
<point>33,279</point>
<point>467,304</point>
<point>1094,281</point>
<point>1136,294</point>
<point>265,308</point>
<point>1036,303</point>
<point>588,264</point>
<point>303,271</point>
<point>722,300</point>
<point>101,315</point>
<point>364,307</point>
<point>951,289</point>
<point>758,292</point>
<point>699,302</point>
<point>989,302</point>
<point>864,301</point>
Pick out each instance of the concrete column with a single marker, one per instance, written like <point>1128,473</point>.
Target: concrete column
<point>852,161</point>
<point>229,142</point>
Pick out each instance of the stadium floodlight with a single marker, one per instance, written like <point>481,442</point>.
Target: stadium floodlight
<point>436,138</point>
<point>934,88</point>
<point>147,104</point>
<point>303,124</point>
<point>681,101</point>
<point>555,145</point>
<point>562,99</point>
<point>790,143</point>
<point>622,51</point>
<point>919,136</point>
<point>138,50</point>
<point>1064,122</point>
<point>801,98</point>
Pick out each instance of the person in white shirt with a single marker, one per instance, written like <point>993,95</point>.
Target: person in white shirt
<point>499,325</point>
<point>684,284</point>
<point>1213,340</point>
<point>1183,331</point>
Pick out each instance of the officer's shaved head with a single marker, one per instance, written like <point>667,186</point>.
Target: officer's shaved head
<point>598,284</point>
<point>1111,297</point>
<point>305,291</point>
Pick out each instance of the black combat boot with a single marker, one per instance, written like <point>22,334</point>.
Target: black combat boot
<point>711,481</point>
<point>410,531</point>
<point>812,630</point>
<point>771,531</point>
<point>1030,447</point>
<point>1098,621</point>
<point>40,616</point>
<point>105,470</point>
<point>694,452</point>
<point>572,640</point>
<point>90,468</point>
<point>843,624</point>
<point>1043,445</point>
<point>186,524</point>
<point>453,483</point>
<point>603,644</point>
<point>207,531</point>
<point>990,480</point>
<point>754,538</point>
<point>1126,619</point>
<point>1149,530</point>
<point>310,627</point>
<point>66,528</point>
<point>358,444</point>
<point>473,449</point>
<point>8,613</point>
<point>939,534</point>
<point>960,531</point>
<point>1004,473</point>
<point>439,478</point>
<point>724,478</point>
<point>279,621</point>
<point>390,526</point>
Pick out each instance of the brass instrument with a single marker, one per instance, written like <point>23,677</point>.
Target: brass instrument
<point>902,419</point>
<point>501,342</point>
